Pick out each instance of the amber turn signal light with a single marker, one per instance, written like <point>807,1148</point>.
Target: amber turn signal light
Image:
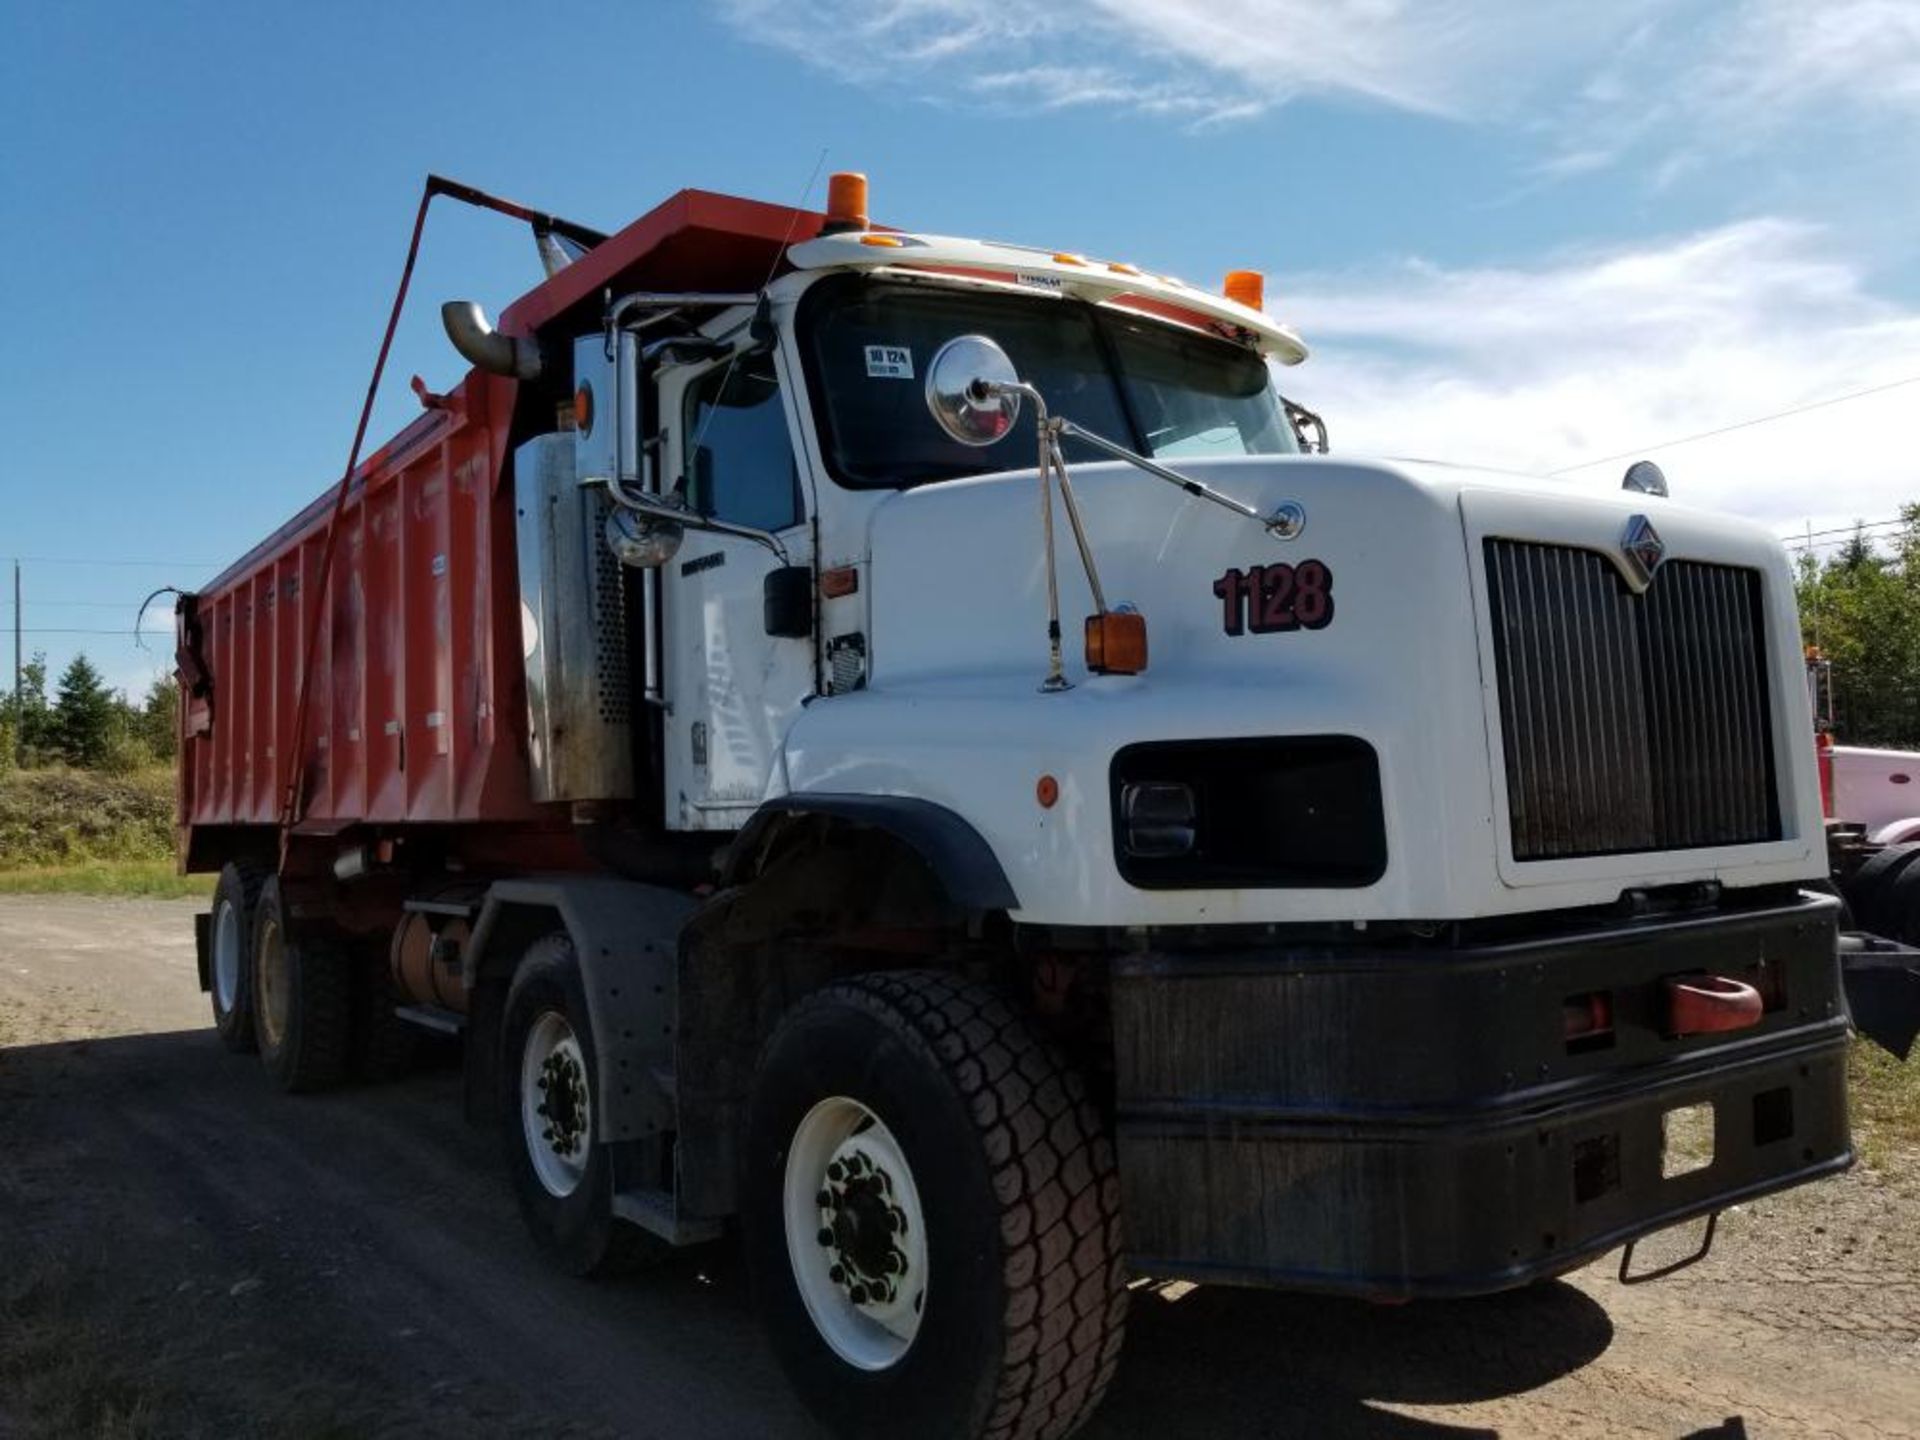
<point>1246,287</point>
<point>847,201</point>
<point>1117,642</point>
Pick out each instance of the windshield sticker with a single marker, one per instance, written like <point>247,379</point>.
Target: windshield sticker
<point>889,362</point>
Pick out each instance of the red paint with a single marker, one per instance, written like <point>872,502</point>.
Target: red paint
<point>414,707</point>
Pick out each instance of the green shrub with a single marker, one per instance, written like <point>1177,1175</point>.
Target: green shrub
<point>59,816</point>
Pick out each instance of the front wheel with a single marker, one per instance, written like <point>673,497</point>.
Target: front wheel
<point>932,1215</point>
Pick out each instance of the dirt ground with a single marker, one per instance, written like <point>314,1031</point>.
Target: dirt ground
<point>184,1252</point>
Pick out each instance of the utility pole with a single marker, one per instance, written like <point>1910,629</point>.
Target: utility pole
<point>19,712</point>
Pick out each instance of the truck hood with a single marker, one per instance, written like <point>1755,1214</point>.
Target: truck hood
<point>955,624</point>
<point>958,586</point>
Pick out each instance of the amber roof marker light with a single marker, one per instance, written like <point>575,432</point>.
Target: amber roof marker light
<point>1246,287</point>
<point>846,203</point>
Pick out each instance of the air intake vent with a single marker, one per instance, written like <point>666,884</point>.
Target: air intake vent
<point>1631,722</point>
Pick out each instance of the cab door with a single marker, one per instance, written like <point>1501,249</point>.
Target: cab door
<point>732,689</point>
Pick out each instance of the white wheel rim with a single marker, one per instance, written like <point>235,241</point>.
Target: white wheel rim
<point>856,1233</point>
<point>556,1104</point>
<point>226,956</point>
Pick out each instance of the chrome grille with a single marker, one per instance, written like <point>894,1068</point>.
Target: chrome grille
<point>1630,722</point>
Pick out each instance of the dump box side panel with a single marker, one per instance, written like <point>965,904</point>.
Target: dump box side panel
<point>416,698</point>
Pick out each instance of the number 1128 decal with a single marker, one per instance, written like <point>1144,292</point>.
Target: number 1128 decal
<point>1270,598</point>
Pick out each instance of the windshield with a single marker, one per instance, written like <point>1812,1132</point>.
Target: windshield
<point>1165,392</point>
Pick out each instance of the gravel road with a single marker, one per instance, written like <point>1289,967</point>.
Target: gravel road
<point>185,1252</point>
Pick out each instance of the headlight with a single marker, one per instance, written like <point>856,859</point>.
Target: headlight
<point>1288,812</point>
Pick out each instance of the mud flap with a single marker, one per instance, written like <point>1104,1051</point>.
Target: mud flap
<point>203,949</point>
<point>1883,990</point>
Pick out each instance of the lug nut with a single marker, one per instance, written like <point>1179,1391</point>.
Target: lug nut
<point>837,1275</point>
<point>825,1237</point>
<point>836,1171</point>
<point>824,1199</point>
<point>858,1294</point>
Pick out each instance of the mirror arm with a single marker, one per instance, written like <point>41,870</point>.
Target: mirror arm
<point>655,508</point>
<point>1161,472</point>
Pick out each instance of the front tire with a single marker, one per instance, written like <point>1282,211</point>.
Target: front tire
<point>932,1215</point>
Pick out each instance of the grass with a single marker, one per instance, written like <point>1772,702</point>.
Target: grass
<point>149,879</point>
<point>57,816</point>
<point>78,832</point>
<point>1885,1095</point>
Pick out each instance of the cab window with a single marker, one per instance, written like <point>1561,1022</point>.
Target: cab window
<point>740,460</point>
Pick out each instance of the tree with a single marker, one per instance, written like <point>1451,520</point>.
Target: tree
<point>158,718</point>
<point>27,720</point>
<point>1862,608</point>
<point>83,715</point>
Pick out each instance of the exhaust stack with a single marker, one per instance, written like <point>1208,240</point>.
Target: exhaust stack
<point>475,338</point>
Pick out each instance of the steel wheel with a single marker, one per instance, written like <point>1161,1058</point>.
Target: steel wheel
<point>273,982</point>
<point>556,1107</point>
<point>856,1233</point>
<point>227,955</point>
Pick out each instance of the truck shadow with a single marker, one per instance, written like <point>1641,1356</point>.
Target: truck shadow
<point>147,1146</point>
<point>1218,1361</point>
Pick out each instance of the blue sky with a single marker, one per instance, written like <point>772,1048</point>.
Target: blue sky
<point>1515,232</point>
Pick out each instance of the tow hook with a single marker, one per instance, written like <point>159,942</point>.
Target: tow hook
<point>1627,1277</point>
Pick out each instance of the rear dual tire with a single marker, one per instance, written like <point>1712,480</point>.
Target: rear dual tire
<point>236,901</point>
<point>302,999</point>
<point>562,1173</point>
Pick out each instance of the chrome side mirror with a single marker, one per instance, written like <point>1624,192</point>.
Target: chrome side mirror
<point>968,390</point>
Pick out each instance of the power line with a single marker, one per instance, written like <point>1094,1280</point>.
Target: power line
<point>76,604</point>
<point>1805,535</point>
<point>88,560</point>
<point>1739,425</point>
<point>76,630</point>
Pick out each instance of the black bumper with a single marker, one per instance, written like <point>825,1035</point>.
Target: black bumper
<point>1401,1122</point>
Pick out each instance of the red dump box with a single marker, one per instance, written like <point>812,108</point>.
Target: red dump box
<point>416,701</point>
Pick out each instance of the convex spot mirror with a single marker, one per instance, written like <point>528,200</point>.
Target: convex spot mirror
<point>963,390</point>
<point>641,542</point>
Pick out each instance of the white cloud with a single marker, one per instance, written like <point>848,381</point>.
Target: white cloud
<point>1595,353</point>
<point>1666,81</point>
<point>1226,59</point>
<point>1691,84</point>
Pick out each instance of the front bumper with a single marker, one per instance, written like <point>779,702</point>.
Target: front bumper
<point>1396,1122</point>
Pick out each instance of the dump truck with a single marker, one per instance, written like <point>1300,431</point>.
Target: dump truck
<point>914,750</point>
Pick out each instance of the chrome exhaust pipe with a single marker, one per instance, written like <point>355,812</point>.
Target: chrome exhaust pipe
<point>486,348</point>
